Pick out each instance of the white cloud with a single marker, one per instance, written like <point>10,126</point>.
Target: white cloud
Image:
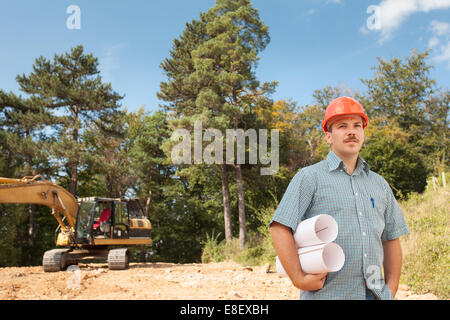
<point>392,13</point>
<point>434,41</point>
<point>441,34</point>
<point>444,55</point>
<point>440,28</point>
<point>363,30</point>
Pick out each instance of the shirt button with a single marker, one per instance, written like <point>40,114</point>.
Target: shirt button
<point>356,194</point>
<point>360,213</point>
<point>365,255</point>
<point>364,233</point>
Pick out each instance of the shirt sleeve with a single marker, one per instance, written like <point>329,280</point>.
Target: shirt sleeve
<point>296,200</point>
<point>395,224</point>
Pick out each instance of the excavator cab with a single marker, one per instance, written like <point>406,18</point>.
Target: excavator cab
<point>100,224</point>
<point>111,221</point>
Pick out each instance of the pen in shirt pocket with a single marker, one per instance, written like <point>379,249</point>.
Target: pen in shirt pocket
<point>373,202</point>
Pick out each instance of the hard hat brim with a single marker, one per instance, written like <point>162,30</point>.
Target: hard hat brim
<point>362,115</point>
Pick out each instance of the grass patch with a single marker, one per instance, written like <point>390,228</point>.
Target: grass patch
<point>255,253</point>
<point>212,249</point>
<point>258,249</point>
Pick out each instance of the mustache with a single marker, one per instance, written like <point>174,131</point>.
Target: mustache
<point>351,139</point>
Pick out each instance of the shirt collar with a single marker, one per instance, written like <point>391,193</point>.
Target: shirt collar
<point>334,162</point>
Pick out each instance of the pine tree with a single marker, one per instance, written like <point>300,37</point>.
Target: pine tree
<point>211,78</point>
<point>71,89</point>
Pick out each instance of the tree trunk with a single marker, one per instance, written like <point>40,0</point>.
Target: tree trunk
<point>149,198</point>
<point>31,207</point>
<point>241,207</point>
<point>74,162</point>
<point>226,204</point>
<point>143,251</point>
<point>31,232</point>
<point>31,227</point>
<point>73,179</point>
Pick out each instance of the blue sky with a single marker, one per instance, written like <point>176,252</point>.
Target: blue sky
<point>314,43</point>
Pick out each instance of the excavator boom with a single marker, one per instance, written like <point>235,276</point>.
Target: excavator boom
<point>37,190</point>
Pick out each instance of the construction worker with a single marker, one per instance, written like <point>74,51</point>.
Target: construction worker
<point>369,219</point>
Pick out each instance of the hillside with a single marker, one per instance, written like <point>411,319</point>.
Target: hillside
<point>426,248</point>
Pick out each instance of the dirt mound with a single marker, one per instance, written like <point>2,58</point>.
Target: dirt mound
<point>154,281</point>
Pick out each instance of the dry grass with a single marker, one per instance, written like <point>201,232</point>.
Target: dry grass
<point>426,249</point>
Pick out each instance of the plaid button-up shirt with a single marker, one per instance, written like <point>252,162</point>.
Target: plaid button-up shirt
<point>366,212</point>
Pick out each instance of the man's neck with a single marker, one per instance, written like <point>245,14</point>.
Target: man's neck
<point>350,161</point>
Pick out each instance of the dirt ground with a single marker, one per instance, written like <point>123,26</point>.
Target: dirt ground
<point>155,281</point>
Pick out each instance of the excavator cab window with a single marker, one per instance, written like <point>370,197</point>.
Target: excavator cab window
<point>83,232</point>
<point>121,221</point>
<point>135,210</point>
<point>121,213</point>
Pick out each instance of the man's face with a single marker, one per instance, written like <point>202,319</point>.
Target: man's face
<point>347,135</point>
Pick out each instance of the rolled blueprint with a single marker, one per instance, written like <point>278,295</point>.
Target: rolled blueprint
<point>320,258</point>
<point>316,230</point>
<point>313,239</point>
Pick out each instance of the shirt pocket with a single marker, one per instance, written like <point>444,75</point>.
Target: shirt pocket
<point>376,209</point>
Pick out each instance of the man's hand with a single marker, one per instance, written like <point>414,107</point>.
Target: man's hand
<point>311,282</point>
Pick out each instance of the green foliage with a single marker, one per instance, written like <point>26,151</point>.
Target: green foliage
<point>15,248</point>
<point>389,154</point>
<point>400,89</point>
<point>407,136</point>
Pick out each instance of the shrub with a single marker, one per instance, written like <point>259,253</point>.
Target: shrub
<point>212,249</point>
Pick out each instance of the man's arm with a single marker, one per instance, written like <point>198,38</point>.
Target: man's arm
<point>284,244</point>
<point>392,264</point>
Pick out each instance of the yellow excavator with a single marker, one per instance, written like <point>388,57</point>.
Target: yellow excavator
<point>88,227</point>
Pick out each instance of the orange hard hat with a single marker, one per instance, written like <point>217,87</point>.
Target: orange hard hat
<point>344,106</point>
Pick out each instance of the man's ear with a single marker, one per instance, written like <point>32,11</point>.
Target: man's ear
<point>328,137</point>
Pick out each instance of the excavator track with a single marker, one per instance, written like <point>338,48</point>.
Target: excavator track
<point>55,260</point>
<point>118,259</point>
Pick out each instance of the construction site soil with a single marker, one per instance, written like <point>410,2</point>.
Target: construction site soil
<point>155,281</point>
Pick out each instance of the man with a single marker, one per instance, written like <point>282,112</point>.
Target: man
<point>362,203</point>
